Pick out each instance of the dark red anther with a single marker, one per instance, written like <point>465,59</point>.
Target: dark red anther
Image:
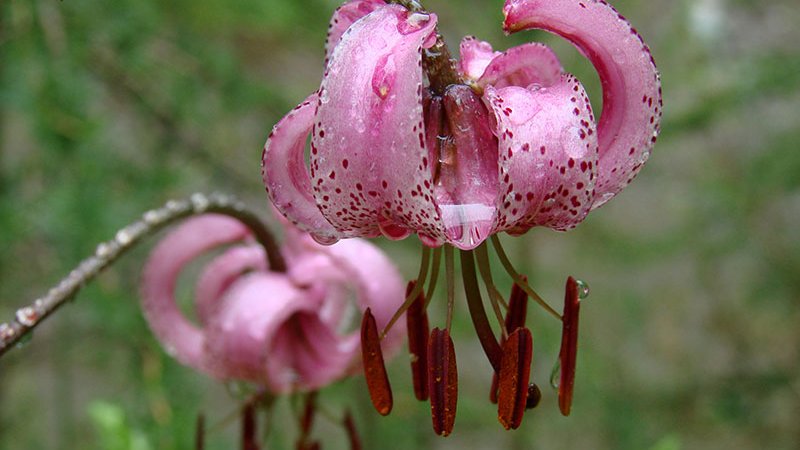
<point>249,439</point>
<point>352,433</point>
<point>380,391</point>
<point>515,370</point>
<point>515,318</point>
<point>534,396</point>
<point>569,346</point>
<point>442,381</point>
<point>417,326</point>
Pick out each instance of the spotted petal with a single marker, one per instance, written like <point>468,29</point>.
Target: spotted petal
<point>548,154</point>
<point>343,17</point>
<point>523,65</point>
<point>631,114</point>
<point>286,175</point>
<point>369,163</point>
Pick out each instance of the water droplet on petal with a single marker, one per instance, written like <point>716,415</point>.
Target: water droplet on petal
<point>555,374</point>
<point>583,289</point>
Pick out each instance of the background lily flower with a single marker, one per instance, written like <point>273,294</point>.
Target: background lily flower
<point>284,331</point>
<point>514,146</point>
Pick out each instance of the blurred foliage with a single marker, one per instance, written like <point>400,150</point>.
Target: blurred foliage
<point>689,339</point>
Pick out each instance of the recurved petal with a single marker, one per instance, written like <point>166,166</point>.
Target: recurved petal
<point>286,175</point>
<point>523,65</point>
<point>343,17</point>
<point>631,116</point>
<point>548,155</point>
<point>475,57</point>
<point>220,273</point>
<point>178,335</point>
<point>369,162</point>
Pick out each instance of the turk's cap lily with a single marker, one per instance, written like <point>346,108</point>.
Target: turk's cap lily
<point>515,146</point>
<point>284,331</point>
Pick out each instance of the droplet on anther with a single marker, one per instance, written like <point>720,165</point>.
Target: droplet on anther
<point>442,381</point>
<point>583,289</point>
<point>515,371</point>
<point>417,326</point>
<point>380,391</point>
<point>569,346</point>
<point>534,396</point>
<point>555,374</point>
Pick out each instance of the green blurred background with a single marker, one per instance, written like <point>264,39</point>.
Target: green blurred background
<point>690,338</point>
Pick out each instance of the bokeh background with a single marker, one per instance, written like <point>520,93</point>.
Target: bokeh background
<point>690,338</point>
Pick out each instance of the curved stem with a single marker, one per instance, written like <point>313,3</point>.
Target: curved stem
<point>518,279</point>
<point>29,317</point>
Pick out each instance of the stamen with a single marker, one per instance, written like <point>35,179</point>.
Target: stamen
<point>200,432</point>
<point>482,258</point>
<point>449,272</point>
<point>477,313</point>
<point>380,391</point>
<point>423,272</point>
<point>418,331</point>
<point>569,346</point>
<point>515,318</point>
<point>309,411</point>
<point>501,254</point>
<point>352,433</point>
<point>437,260</point>
<point>249,427</point>
<point>443,381</point>
<point>515,372</point>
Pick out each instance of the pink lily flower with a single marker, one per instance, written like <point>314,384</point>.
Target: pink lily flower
<point>514,146</point>
<point>284,331</point>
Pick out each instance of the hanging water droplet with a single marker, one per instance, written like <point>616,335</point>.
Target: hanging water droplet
<point>27,316</point>
<point>555,374</point>
<point>583,289</point>
<point>24,339</point>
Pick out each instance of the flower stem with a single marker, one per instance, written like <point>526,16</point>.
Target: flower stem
<point>501,254</point>
<point>29,317</point>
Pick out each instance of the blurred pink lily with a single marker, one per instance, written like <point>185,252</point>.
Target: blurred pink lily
<point>512,147</point>
<point>284,331</point>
